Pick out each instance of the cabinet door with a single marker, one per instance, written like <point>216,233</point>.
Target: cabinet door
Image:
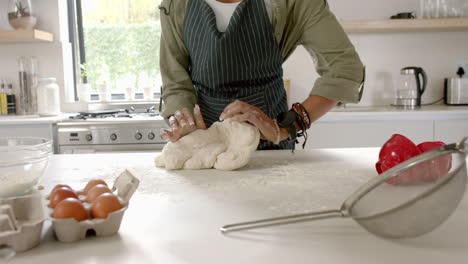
<point>44,131</point>
<point>367,134</point>
<point>451,131</point>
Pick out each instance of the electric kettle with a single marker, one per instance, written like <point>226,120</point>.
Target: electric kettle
<point>412,84</point>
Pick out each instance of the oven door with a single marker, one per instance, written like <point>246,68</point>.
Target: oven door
<point>124,148</point>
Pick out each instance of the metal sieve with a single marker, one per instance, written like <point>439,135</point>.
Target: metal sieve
<point>438,183</point>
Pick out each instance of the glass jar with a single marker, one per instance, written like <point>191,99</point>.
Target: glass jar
<point>105,94</point>
<point>451,8</point>
<point>442,8</point>
<point>429,9</point>
<point>48,97</point>
<point>20,15</point>
<point>465,9</point>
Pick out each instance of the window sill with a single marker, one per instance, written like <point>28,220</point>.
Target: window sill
<point>123,105</point>
<point>124,102</point>
<point>74,107</point>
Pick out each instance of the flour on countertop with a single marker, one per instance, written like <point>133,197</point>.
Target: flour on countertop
<point>278,185</point>
<point>308,185</point>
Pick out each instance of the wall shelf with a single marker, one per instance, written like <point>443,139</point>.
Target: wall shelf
<point>24,36</point>
<point>405,25</point>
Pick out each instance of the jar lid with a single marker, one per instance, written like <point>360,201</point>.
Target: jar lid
<point>50,79</point>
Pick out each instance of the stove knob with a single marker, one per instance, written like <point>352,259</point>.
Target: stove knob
<point>113,137</point>
<point>138,136</point>
<point>89,137</point>
<point>151,136</point>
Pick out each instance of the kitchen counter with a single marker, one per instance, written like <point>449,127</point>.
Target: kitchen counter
<point>32,119</point>
<point>175,216</point>
<point>338,114</point>
<point>384,113</point>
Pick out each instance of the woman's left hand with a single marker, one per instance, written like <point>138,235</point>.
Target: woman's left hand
<point>243,112</point>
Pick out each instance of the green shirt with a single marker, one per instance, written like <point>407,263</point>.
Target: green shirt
<point>309,23</point>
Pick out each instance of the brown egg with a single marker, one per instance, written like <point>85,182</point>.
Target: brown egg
<point>70,208</point>
<point>58,186</point>
<point>61,194</point>
<point>91,184</point>
<point>105,204</point>
<point>97,190</point>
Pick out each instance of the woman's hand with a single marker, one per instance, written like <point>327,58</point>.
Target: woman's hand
<point>243,112</point>
<point>183,123</point>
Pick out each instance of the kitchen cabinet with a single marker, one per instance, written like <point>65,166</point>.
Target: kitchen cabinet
<point>31,130</point>
<point>30,126</point>
<point>366,134</point>
<point>46,130</point>
<point>450,131</point>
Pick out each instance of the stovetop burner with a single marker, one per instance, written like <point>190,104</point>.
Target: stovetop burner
<point>118,113</point>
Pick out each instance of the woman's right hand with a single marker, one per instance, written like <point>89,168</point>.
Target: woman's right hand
<point>183,123</point>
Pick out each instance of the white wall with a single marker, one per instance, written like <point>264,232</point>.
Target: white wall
<point>385,54</point>
<point>54,58</point>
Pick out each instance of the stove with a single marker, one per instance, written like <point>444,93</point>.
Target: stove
<point>117,113</point>
<point>122,130</point>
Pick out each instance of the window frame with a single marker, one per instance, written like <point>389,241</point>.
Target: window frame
<point>77,40</point>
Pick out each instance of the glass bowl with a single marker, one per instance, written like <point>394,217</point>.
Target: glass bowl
<point>22,163</point>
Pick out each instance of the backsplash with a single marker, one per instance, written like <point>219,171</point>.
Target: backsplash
<point>385,54</point>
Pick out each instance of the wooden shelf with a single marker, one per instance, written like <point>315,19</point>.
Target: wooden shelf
<point>17,36</point>
<point>405,25</point>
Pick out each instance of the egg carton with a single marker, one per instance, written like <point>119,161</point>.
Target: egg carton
<point>70,230</point>
<point>21,220</point>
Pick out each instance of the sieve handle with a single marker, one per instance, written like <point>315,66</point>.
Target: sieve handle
<point>284,220</point>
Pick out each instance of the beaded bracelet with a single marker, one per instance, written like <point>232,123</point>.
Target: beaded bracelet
<point>302,114</point>
<point>303,120</point>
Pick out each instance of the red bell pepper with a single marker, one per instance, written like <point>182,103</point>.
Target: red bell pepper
<point>438,167</point>
<point>399,149</point>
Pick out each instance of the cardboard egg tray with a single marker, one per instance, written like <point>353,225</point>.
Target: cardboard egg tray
<point>70,230</point>
<point>21,218</point>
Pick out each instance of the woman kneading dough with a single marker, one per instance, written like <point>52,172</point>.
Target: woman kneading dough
<point>222,60</point>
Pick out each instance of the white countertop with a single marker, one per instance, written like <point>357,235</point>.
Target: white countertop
<point>32,119</point>
<point>338,114</point>
<point>383,113</point>
<point>175,216</point>
<point>35,119</point>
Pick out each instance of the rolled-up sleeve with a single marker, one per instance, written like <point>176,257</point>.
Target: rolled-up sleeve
<point>177,91</point>
<point>337,62</point>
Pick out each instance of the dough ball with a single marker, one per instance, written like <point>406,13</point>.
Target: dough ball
<point>225,146</point>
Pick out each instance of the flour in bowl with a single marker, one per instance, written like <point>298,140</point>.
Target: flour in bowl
<point>17,182</point>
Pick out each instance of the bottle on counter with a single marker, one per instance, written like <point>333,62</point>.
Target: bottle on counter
<point>24,91</point>
<point>48,97</point>
<point>11,100</point>
<point>3,98</point>
<point>28,82</point>
<point>105,94</point>
<point>33,80</point>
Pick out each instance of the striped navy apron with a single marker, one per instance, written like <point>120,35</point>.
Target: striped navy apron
<point>244,63</point>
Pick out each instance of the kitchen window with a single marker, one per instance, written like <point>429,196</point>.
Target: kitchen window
<point>116,49</point>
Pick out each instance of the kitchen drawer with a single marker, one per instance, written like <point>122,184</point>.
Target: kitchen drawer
<point>45,131</point>
<point>366,134</point>
<point>450,131</point>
